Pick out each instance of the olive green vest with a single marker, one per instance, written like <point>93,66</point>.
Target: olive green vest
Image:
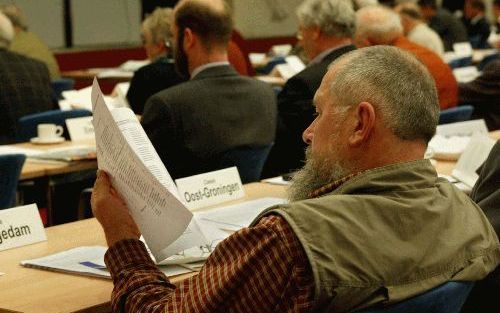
<point>388,234</point>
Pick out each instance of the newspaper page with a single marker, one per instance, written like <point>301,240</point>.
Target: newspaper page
<point>136,171</point>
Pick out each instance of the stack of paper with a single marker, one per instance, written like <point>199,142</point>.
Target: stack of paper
<point>68,154</point>
<point>451,139</point>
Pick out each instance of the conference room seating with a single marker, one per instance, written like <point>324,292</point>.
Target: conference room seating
<point>10,170</point>
<point>60,85</point>
<point>487,60</point>
<point>28,124</point>
<point>462,62</point>
<point>249,161</point>
<point>446,298</point>
<point>456,114</point>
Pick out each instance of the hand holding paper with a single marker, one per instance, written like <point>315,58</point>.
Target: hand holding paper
<point>112,212</point>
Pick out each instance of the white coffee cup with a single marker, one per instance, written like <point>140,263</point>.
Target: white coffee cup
<point>49,131</point>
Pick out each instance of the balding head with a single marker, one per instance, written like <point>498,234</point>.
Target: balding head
<point>211,20</point>
<point>15,15</point>
<point>6,31</point>
<point>377,25</point>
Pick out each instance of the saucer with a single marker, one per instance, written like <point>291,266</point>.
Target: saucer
<point>47,141</point>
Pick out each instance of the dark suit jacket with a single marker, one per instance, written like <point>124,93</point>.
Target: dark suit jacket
<point>483,94</point>
<point>149,80</point>
<point>486,191</point>
<point>295,114</point>
<point>478,32</point>
<point>24,89</point>
<point>192,124</point>
<point>449,28</point>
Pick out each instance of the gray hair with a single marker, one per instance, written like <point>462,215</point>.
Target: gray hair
<point>333,17</point>
<point>6,31</point>
<point>158,24</point>
<point>380,24</point>
<point>396,83</point>
<point>15,15</point>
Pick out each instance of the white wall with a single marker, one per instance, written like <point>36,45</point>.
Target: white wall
<point>265,18</point>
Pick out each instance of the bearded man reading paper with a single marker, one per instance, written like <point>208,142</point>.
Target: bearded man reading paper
<point>368,223</point>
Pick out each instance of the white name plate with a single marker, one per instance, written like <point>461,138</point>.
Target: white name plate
<point>20,226</point>
<point>210,188</point>
<point>80,128</point>
<point>463,49</point>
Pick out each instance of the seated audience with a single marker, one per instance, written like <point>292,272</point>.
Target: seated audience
<point>449,28</point>
<point>326,28</point>
<point>478,28</point>
<point>161,73</point>
<point>377,25</point>
<point>28,43</point>
<point>367,214</point>
<point>193,124</point>
<point>483,94</point>
<point>24,85</point>
<point>486,193</point>
<point>416,30</point>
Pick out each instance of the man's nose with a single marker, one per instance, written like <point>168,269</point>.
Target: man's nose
<point>307,135</point>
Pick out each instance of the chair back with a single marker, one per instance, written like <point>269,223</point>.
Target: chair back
<point>60,85</point>
<point>249,161</point>
<point>446,298</point>
<point>487,59</point>
<point>10,170</point>
<point>462,62</point>
<point>456,114</point>
<point>28,124</point>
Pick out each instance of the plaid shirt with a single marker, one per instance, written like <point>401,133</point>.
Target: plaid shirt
<point>258,269</point>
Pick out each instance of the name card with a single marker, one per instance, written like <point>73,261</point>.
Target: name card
<point>80,128</point>
<point>463,49</point>
<point>210,188</point>
<point>20,226</point>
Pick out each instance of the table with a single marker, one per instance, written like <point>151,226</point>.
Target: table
<point>43,173</point>
<point>33,290</point>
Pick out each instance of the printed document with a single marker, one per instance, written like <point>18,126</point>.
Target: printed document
<point>137,172</point>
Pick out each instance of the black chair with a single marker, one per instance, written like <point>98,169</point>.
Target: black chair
<point>456,114</point>
<point>10,170</point>
<point>28,124</point>
<point>446,298</point>
<point>249,161</point>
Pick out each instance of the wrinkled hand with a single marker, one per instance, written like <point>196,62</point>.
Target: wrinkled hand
<point>112,212</point>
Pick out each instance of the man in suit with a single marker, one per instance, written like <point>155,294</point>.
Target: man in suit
<point>160,73</point>
<point>483,93</point>
<point>450,29</point>
<point>476,23</point>
<point>193,124</point>
<point>325,31</point>
<point>24,85</point>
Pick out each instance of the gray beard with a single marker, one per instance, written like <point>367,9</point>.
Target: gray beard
<point>315,174</point>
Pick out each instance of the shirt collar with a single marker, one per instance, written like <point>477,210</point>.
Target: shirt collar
<point>332,186</point>
<point>203,67</point>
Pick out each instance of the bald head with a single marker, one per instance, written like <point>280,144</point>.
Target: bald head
<point>211,20</point>
<point>377,25</point>
<point>6,31</point>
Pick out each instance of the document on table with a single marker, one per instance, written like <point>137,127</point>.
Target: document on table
<point>88,261</point>
<point>473,157</point>
<point>451,139</point>
<point>235,217</point>
<point>136,171</point>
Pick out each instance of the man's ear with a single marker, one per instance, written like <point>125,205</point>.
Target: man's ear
<point>364,123</point>
<point>189,38</point>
